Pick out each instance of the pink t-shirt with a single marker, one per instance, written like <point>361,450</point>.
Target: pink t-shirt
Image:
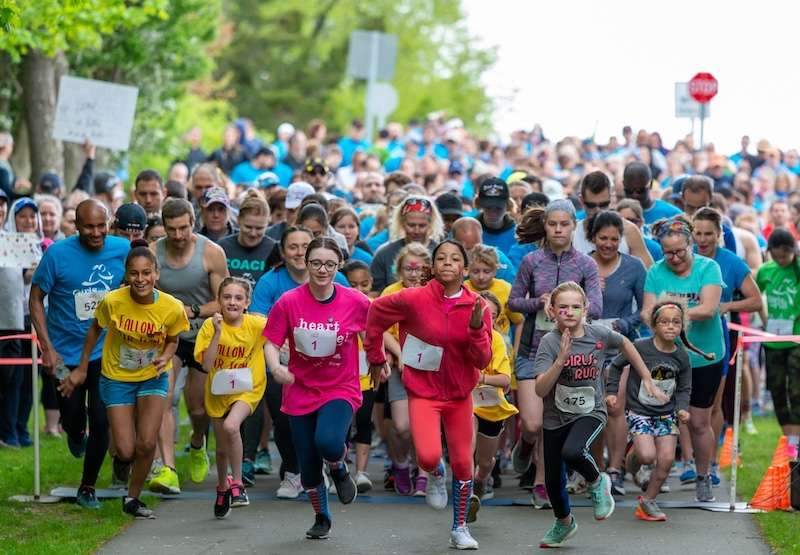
<point>323,345</point>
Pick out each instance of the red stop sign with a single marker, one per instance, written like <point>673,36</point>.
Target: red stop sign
<point>703,87</point>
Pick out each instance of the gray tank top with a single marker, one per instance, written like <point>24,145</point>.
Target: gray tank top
<point>188,284</point>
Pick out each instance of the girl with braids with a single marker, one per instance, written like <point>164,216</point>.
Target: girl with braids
<point>684,276</point>
<point>654,424</point>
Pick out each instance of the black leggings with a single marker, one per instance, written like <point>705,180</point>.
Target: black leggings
<point>569,446</point>
<point>74,411</point>
<point>280,428</point>
<point>363,418</point>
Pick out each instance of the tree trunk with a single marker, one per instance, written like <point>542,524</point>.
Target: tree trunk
<point>39,97</point>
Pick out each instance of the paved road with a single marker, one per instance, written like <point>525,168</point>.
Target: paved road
<point>383,523</point>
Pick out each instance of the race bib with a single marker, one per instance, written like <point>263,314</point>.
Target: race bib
<point>420,355</point>
<point>234,380</point>
<point>780,326</point>
<point>363,365</point>
<point>667,386</point>
<point>485,396</point>
<point>86,302</point>
<point>574,400</point>
<point>543,321</point>
<point>315,343</point>
<point>136,359</point>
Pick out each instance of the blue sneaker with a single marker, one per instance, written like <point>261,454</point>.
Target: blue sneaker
<point>263,462</point>
<point>248,473</point>
<point>10,443</point>
<point>689,474</point>
<point>25,440</point>
<point>714,475</point>
<point>77,447</point>
<point>602,500</point>
<point>87,499</point>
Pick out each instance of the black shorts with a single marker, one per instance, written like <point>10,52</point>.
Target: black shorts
<point>487,428</point>
<point>185,352</point>
<point>705,383</point>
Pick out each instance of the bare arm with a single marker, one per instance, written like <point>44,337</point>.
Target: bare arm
<point>545,382</point>
<point>709,303</point>
<point>752,301</point>
<point>273,357</point>
<point>647,309</point>
<point>217,266</point>
<point>633,236</point>
<point>39,322</point>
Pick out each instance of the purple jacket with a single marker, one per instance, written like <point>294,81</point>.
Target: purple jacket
<point>538,274</point>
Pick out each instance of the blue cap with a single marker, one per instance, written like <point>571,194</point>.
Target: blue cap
<point>456,167</point>
<point>25,202</point>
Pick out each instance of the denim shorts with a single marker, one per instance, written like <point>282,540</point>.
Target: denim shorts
<point>115,393</point>
<point>657,426</point>
<point>523,368</point>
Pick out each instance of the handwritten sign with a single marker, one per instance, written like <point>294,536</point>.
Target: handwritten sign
<point>101,111</point>
<point>19,250</point>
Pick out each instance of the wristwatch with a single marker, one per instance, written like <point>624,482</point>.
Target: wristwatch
<point>195,310</point>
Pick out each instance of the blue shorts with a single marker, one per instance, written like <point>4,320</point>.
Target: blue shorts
<point>115,393</point>
<point>523,368</point>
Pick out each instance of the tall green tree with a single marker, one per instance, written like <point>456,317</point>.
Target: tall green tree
<point>287,59</point>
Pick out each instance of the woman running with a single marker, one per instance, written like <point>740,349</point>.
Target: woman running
<point>230,346</point>
<point>143,326</point>
<point>446,335</point>
<point>568,373</point>
<point>321,391</point>
<point>654,425</point>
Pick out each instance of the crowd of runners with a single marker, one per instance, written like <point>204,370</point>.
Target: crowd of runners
<point>558,309</point>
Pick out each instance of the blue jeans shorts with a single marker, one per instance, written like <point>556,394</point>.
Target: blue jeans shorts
<point>523,368</point>
<point>115,393</point>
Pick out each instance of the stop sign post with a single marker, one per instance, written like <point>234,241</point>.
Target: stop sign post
<point>703,87</point>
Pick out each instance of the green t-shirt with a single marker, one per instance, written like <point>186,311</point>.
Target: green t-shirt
<point>706,335</point>
<point>781,286</point>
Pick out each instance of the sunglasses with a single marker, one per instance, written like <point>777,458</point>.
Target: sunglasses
<point>593,205</point>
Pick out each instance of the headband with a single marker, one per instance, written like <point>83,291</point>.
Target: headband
<point>418,204</point>
<point>674,226</point>
<point>667,305</point>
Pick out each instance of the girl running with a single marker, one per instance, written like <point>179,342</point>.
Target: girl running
<point>568,373</point>
<point>446,338</point>
<point>230,348</point>
<point>321,384</point>
<point>143,326</point>
<point>654,425</point>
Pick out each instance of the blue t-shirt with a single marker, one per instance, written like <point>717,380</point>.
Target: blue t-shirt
<point>654,247</point>
<point>74,279</point>
<point>659,210</point>
<point>518,252</point>
<point>734,271</point>
<point>507,271</point>
<point>245,172</point>
<point>502,239</point>
<point>376,241</point>
<point>349,147</point>
<point>362,255</point>
<point>275,283</point>
<point>706,335</point>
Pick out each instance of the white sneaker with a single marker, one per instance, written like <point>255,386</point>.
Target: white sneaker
<point>460,538</point>
<point>290,487</point>
<point>576,484</point>
<point>436,491</point>
<point>328,482</point>
<point>363,483</point>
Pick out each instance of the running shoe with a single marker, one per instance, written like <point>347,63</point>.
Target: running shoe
<point>388,479</point>
<point>137,509</point>
<point>420,485</point>
<point>238,496</point>
<point>248,473</point>
<point>521,456</point>
<point>402,481</point>
<point>460,538</point>
<point>24,439</point>
<point>120,473</point>
<point>198,463</point>
<point>558,534</point>
<point>602,500</point>
<point>263,463</point>
<point>10,443</point>
<point>155,468</point>
<point>345,485</point>
<point>290,487</point>
<point>617,482</point>
<point>436,491</point>
<point>642,477</point>
<point>496,479</point>
<point>749,427</point>
<point>363,483</point>
<point>479,487</point>
<point>540,498</point>
<point>222,504</point>
<point>714,474</point>
<point>689,474</point>
<point>166,481</point>
<point>87,498</point>
<point>489,493</point>
<point>474,507</point>
<point>321,529</point>
<point>702,490</point>
<point>77,446</point>
<point>526,479</point>
<point>648,509</point>
<point>575,484</point>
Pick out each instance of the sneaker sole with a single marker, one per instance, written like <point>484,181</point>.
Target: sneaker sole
<point>472,510</point>
<point>234,505</point>
<point>557,545</point>
<point>641,515</point>
<point>222,517</point>
<point>287,496</point>
<point>363,488</point>
<point>166,490</point>
<point>454,545</point>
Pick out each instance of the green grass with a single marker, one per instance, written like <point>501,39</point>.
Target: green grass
<point>779,528</point>
<point>29,528</point>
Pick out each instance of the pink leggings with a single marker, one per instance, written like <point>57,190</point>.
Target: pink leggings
<point>426,416</point>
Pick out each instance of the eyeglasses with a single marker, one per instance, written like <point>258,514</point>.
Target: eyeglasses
<point>412,269</point>
<point>329,265</point>
<point>593,205</point>
<point>679,253</point>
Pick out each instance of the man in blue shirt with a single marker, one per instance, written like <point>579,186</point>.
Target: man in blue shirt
<point>353,142</point>
<point>74,275</point>
<point>499,229</point>
<point>636,181</point>
<point>249,170</point>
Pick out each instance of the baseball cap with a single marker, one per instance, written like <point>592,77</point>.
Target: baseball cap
<point>216,195</point>
<point>456,167</point>
<point>553,189</point>
<point>130,216</point>
<point>493,193</point>
<point>286,128</point>
<point>313,164</point>
<point>25,202</point>
<point>449,204</point>
<point>296,193</point>
<point>517,175</point>
<point>49,182</point>
<point>267,180</point>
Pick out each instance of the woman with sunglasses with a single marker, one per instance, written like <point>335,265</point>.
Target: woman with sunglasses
<point>697,281</point>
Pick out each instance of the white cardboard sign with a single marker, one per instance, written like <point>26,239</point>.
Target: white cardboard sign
<point>19,250</point>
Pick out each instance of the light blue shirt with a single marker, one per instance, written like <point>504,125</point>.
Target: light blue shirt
<point>275,283</point>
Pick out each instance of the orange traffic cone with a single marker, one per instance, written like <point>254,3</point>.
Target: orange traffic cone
<point>781,484</point>
<point>781,455</point>
<point>726,453</point>
<point>764,497</point>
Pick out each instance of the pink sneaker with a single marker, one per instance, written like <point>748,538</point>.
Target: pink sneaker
<point>420,485</point>
<point>402,481</point>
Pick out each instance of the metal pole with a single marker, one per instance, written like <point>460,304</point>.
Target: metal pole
<point>371,80</point>
<point>702,123</point>
<point>737,401</point>
<point>35,381</point>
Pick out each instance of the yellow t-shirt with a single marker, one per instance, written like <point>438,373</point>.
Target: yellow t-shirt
<point>137,333</point>
<point>499,365</point>
<point>501,289</point>
<point>238,347</point>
